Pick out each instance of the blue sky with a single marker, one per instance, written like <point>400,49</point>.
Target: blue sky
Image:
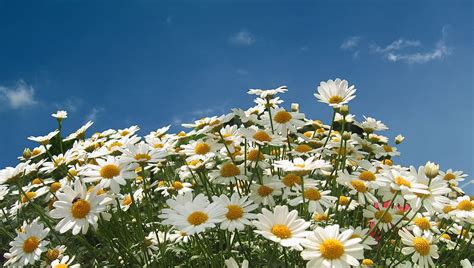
<point>156,63</point>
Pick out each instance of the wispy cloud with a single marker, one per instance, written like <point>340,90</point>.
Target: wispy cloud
<point>71,105</point>
<point>19,96</point>
<point>352,44</point>
<point>169,20</point>
<point>242,38</point>
<point>242,71</point>
<point>397,50</point>
<point>94,113</point>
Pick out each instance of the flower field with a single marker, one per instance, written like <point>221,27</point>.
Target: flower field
<point>262,187</point>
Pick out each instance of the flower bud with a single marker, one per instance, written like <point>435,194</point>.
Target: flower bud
<point>295,107</point>
<point>346,136</point>
<point>27,153</point>
<point>344,110</point>
<point>431,170</point>
<point>399,138</point>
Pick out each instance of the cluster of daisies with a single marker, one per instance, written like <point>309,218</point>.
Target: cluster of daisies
<point>262,187</point>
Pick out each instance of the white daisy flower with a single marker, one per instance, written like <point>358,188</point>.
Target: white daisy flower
<point>420,245</point>
<point>261,137</point>
<point>77,208</point>
<point>264,93</point>
<point>141,153</point>
<point>284,122</point>
<point>200,149</point>
<point>463,209</point>
<point>44,140</point>
<point>80,133</point>
<point>60,115</point>
<point>386,218</point>
<point>64,262</point>
<point>228,173</point>
<point>316,199</point>
<point>238,211</point>
<point>28,245</point>
<point>263,193</point>
<point>370,125</point>
<point>326,247</point>
<point>300,165</point>
<point>111,172</point>
<point>282,227</point>
<point>192,215</point>
<point>335,93</point>
<point>452,177</point>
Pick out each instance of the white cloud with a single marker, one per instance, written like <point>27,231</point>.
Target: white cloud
<point>202,112</point>
<point>397,50</point>
<point>94,113</point>
<point>243,38</point>
<point>19,96</point>
<point>351,43</point>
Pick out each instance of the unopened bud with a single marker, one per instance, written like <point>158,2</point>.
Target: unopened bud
<point>295,107</point>
<point>346,136</point>
<point>27,153</point>
<point>344,110</point>
<point>431,170</point>
<point>399,138</point>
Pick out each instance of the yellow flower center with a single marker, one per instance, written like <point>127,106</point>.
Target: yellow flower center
<point>367,262</point>
<point>355,236</point>
<point>387,148</point>
<point>114,144</point>
<point>80,208</point>
<point>37,181</point>
<point>335,99</point>
<point>446,236</point>
<point>449,176</point>
<point>320,217</point>
<point>197,218</point>
<point>262,136</point>
<point>422,223</point>
<point>303,148</point>
<point>400,181</point>
<point>252,155</point>
<point>127,200</point>
<point>202,148</point>
<point>465,205</point>
<point>158,145</point>
<point>72,172</point>
<point>282,117</point>
<point>359,186</point>
<point>331,249</point>
<point>28,196</point>
<point>229,170</point>
<point>387,162</point>
<point>421,245</point>
<point>282,231</point>
<point>109,171</point>
<point>448,209</point>
<point>61,265</point>
<point>387,218</point>
<point>291,180</point>
<point>234,212</point>
<point>35,152</point>
<point>264,191</point>
<point>367,176</point>
<point>142,157</point>
<point>30,244</point>
<point>312,194</point>
<point>55,186</point>
<point>343,200</point>
<point>52,254</point>
<point>177,185</point>
<point>124,133</point>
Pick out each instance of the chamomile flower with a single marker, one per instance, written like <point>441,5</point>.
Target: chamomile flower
<point>261,136</point>
<point>452,177</point>
<point>80,133</point>
<point>111,172</point>
<point>264,193</point>
<point>370,125</point>
<point>421,246</point>
<point>327,247</point>
<point>227,173</point>
<point>192,215</point>
<point>64,262</point>
<point>238,211</point>
<point>60,115</point>
<point>284,122</point>
<point>463,209</point>
<point>300,165</point>
<point>28,245</point>
<point>282,227</point>
<point>44,140</point>
<point>335,92</point>
<point>264,93</point>
<point>77,208</point>
<point>369,241</point>
<point>317,200</point>
<point>385,217</point>
<point>200,149</point>
<point>141,153</point>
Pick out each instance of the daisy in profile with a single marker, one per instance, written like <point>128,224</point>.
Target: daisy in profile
<point>335,93</point>
<point>60,115</point>
<point>463,209</point>
<point>421,246</point>
<point>77,208</point>
<point>28,245</point>
<point>110,172</point>
<point>80,133</point>
<point>284,122</point>
<point>192,215</point>
<point>264,93</point>
<point>141,153</point>
<point>301,166</point>
<point>327,247</point>
<point>238,211</point>
<point>261,136</point>
<point>44,140</point>
<point>370,125</point>
<point>264,193</point>
<point>64,262</point>
<point>282,227</point>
